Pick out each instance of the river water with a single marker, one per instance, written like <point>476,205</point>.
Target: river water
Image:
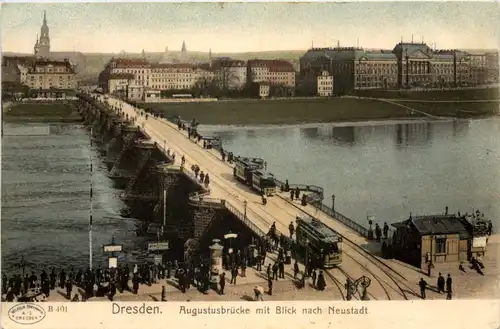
<point>386,170</point>
<point>383,169</point>
<point>45,199</point>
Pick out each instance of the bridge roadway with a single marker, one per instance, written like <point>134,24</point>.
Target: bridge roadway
<point>279,209</point>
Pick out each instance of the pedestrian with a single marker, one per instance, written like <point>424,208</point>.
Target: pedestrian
<point>295,269</point>
<point>281,269</point>
<point>448,284</point>
<point>234,274</point>
<point>292,193</point>
<point>423,285</point>
<point>386,230</point>
<point>270,287</point>
<point>243,268</point>
<point>275,271</point>
<point>258,262</point>
<point>163,293</point>
<point>440,283</point>
<point>222,282</point>
<point>269,271</point>
<point>291,229</point>
<point>69,288</point>
<point>258,291</point>
<point>313,277</point>
<point>321,284</point>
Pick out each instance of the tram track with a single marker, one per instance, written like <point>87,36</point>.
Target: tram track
<point>337,283</point>
<point>237,194</point>
<point>372,259</point>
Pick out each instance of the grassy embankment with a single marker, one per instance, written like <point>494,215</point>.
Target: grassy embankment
<point>451,103</point>
<point>42,112</point>
<point>296,111</point>
<point>290,111</point>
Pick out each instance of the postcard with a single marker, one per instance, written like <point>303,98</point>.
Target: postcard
<point>315,164</point>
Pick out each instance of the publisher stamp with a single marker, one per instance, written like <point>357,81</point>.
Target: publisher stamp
<point>26,313</point>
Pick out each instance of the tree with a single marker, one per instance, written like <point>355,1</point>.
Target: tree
<point>226,78</point>
<point>205,86</point>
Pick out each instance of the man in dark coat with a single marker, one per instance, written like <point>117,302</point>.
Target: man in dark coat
<point>222,283</point>
<point>163,294</point>
<point>270,286</point>
<point>234,274</point>
<point>448,283</point>
<point>440,283</point>
<point>321,283</point>
<point>295,269</point>
<point>423,285</point>
<point>69,288</point>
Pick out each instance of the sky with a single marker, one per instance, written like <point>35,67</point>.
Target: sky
<point>244,27</point>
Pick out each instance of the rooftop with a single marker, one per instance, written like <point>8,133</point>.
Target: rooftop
<point>276,65</point>
<point>435,224</point>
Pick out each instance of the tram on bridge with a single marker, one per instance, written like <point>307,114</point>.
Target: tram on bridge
<point>319,242</point>
<point>249,171</point>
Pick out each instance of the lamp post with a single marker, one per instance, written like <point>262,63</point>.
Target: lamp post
<point>22,265</point>
<point>333,202</point>
<point>245,209</point>
<point>229,237</point>
<point>307,259</point>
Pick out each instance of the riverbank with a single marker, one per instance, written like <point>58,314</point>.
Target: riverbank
<point>300,111</point>
<point>64,112</point>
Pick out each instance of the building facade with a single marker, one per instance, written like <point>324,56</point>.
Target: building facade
<point>275,72</point>
<point>230,74</point>
<point>324,84</point>
<point>407,65</point>
<point>50,74</point>
<point>42,44</point>
<point>139,76</point>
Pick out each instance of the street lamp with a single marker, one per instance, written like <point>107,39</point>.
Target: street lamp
<point>22,264</point>
<point>245,209</point>
<point>229,237</point>
<point>333,202</point>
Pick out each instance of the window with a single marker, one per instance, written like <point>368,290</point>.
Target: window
<point>440,245</point>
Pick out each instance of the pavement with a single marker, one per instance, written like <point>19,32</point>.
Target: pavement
<point>283,289</point>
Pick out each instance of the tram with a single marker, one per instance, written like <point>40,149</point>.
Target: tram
<point>249,171</point>
<point>319,242</point>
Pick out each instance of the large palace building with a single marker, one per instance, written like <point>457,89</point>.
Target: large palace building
<point>408,65</point>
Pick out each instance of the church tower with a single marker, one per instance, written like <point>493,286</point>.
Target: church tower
<point>183,51</point>
<point>44,41</point>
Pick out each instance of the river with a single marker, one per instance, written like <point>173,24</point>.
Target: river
<point>45,199</point>
<point>381,169</point>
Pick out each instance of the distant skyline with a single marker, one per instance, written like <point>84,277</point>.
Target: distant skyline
<point>247,27</point>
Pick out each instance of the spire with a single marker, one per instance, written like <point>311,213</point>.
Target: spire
<point>44,17</point>
<point>210,54</point>
<point>36,39</point>
<point>412,38</point>
<point>183,46</point>
<point>338,43</point>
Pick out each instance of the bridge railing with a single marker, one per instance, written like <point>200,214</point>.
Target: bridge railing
<point>244,218</point>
